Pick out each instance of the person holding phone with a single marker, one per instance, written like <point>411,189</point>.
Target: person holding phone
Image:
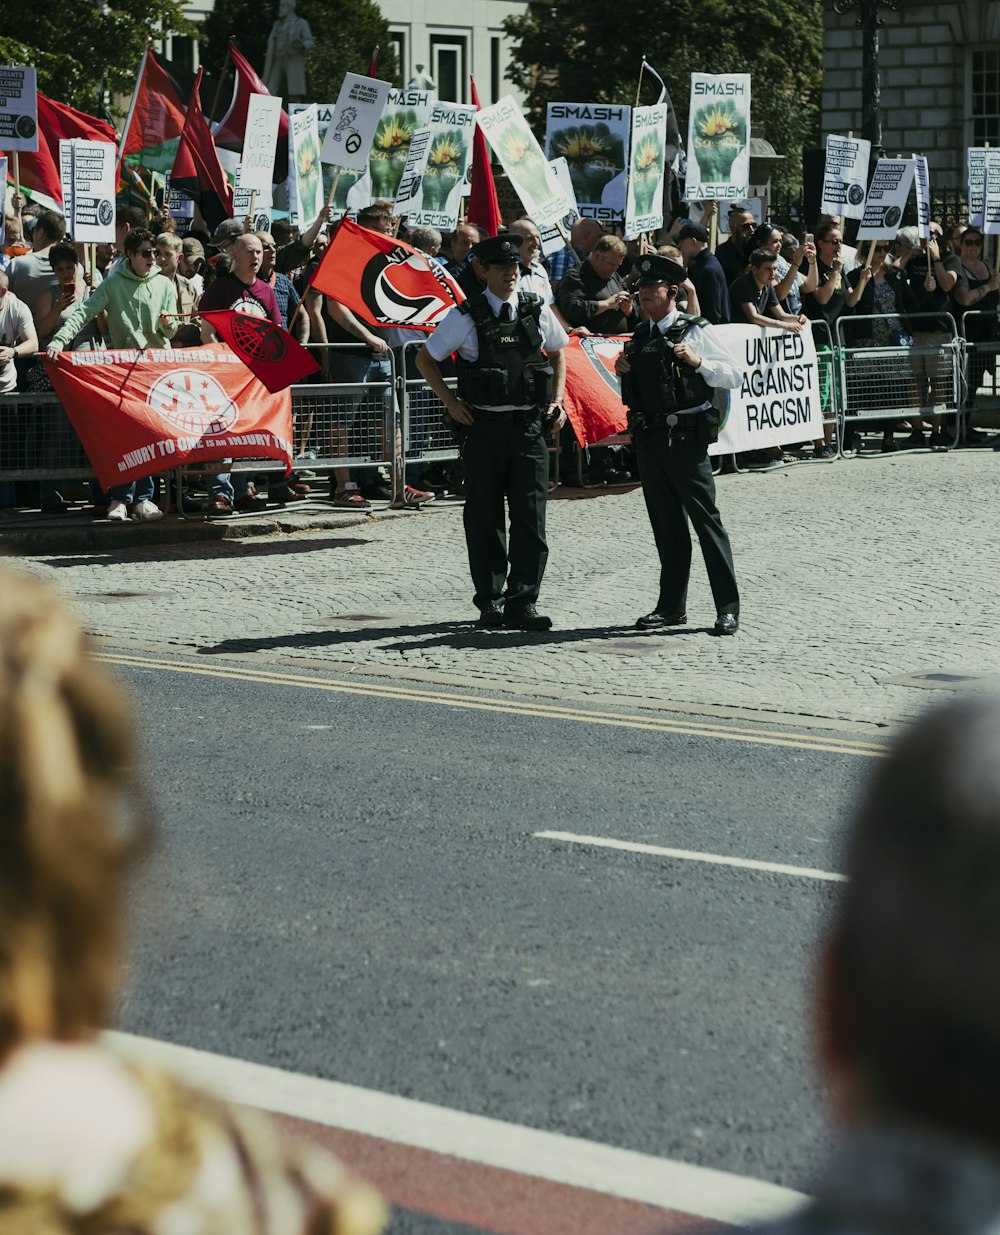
<point>56,303</point>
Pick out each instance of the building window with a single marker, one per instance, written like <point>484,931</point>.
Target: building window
<point>448,66</point>
<point>496,81</point>
<point>398,38</point>
<point>183,52</point>
<point>985,109</point>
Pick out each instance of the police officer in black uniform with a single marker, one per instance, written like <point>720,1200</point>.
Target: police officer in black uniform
<point>511,372</point>
<point>668,370</point>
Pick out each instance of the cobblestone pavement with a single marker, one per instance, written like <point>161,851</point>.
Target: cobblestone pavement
<point>853,574</point>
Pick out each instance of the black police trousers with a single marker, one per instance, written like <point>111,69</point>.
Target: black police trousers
<point>506,460</point>
<point>678,485</point>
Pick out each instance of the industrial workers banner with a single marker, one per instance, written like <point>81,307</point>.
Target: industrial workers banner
<point>593,139</point>
<point>142,412</point>
<point>718,166</point>
<point>777,402</point>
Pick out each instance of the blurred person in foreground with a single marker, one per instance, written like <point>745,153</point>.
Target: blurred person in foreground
<point>88,1141</point>
<point>908,1006</point>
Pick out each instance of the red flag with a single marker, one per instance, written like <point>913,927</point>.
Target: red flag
<point>142,412</point>
<point>593,394</point>
<point>484,208</point>
<point>40,171</point>
<point>230,132</point>
<point>155,118</point>
<point>384,281</point>
<point>269,352</point>
<point>373,66</point>
<point>197,172</point>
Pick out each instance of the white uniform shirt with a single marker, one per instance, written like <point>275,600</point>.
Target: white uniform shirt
<point>717,365</point>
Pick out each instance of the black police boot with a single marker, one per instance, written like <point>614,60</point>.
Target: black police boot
<point>491,614</point>
<point>650,621</point>
<point>525,617</point>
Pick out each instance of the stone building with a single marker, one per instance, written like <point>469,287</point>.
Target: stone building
<point>940,79</point>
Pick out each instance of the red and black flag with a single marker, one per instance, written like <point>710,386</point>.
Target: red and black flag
<point>40,170</point>
<point>384,281</point>
<point>197,173</point>
<point>270,353</point>
<point>230,133</point>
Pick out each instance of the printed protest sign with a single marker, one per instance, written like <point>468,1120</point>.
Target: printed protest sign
<point>408,192</point>
<point>246,200</point>
<point>647,169</point>
<point>260,143</point>
<point>991,194</point>
<point>18,109</point>
<point>553,239</point>
<point>845,176</point>
<point>306,198</point>
<point>718,155</point>
<point>922,184</point>
<point>405,111</point>
<point>593,139</point>
<point>886,199</point>
<point>514,144</point>
<point>355,119</point>
<point>179,205</point>
<point>976,180</point>
<point>87,172</point>
<point>443,167</point>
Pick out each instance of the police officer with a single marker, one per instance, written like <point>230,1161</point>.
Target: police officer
<point>511,372</point>
<point>668,369</point>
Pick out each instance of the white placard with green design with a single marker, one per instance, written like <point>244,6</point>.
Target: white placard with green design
<point>515,146</point>
<point>718,154</point>
<point>646,170</point>
<point>434,199</point>
<point>405,111</point>
<point>593,139</point>
<point>306,199</point>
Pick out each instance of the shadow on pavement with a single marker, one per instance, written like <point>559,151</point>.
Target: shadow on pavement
<point>246,548</point>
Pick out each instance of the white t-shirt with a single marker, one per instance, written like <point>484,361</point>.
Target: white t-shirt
<point>15,326</point>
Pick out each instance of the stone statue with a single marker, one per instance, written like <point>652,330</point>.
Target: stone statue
<point>421,80</point>
<point>287,44</point>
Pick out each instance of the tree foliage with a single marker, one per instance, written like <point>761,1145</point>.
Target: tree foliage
<point>344,34</point>
<point>586,58</point>
<point>74,43</point>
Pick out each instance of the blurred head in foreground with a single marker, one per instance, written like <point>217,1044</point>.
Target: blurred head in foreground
<point>910,1028</point>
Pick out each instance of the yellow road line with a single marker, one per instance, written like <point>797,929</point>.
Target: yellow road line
<point>759,737</point>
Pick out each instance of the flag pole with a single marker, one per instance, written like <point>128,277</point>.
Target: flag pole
<point>222,78</point>
<point>333,187</point>
<point>638,87</point>
<point>133,101</point>
<point>17,181</point>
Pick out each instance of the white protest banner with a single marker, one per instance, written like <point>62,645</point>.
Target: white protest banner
<point>976,176</point>
<point>593,139</point>
<point>246,199</point>
<point>355,120</point>
<point>409,183</point>
<point>778,400</point>
<point>886,200</point>
<point>88,174</point>
<point>922,184</point>
<point>845,176</point>
<point>515,146</point>
<point>718,154</point>
<point>178,205</point>
<point>3,213</point>
<point>647,169</point>
<point>261,143</point>
<point>991,195</point>
<point>553,239</point>
<point>442,175</point>
<point>305,199</point>
<point>405,112</point>
<point>18,109</point>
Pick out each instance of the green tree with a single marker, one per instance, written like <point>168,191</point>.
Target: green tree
<point>344,34</point>
<point>585,59</point>
<point>74,43</point>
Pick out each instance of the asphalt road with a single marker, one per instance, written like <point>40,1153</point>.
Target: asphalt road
<point>351,886</point>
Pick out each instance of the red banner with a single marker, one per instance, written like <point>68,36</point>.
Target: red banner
<point>593,398</point>
<point>384,281</point>
<point>269,352</point>
<point>142,412</point>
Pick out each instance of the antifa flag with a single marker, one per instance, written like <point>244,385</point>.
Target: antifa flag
<point>197,173</point>
<point>40,171</point>
<point>231,131</point>
<point>142,412</point>
<point>593,396</point>
<point>269,352</point>
<point>384,281</point>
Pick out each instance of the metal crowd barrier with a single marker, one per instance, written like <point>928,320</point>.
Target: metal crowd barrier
<point>981,332</point>
<point>426,436</point>
<point>919,379</point>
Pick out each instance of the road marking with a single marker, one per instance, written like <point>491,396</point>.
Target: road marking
<point>652,724</point>
<point>690,855</point>
<point>696,1190</point>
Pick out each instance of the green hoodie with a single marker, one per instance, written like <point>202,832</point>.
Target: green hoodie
<point>133,304</point>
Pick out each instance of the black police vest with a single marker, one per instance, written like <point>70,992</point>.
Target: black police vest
<point>512,369</point>
<point>657,382</point>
